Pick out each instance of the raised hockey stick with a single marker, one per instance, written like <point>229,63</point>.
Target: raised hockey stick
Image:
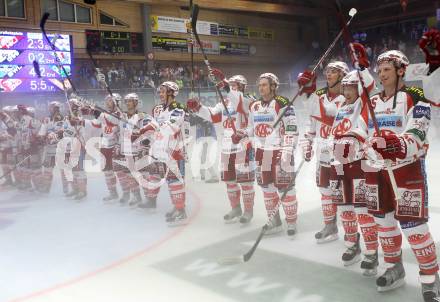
<point>248,255</point>
<point>194,16</point>
<point>351,13</point>
<point>16,166</point>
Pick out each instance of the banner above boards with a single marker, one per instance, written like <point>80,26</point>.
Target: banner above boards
<point>181,25</point>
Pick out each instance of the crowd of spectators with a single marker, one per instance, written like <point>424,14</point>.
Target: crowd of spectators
<point>123,75</point>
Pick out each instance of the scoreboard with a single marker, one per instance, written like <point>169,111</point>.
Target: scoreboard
<point>114,42</point>
<point>19,50</point>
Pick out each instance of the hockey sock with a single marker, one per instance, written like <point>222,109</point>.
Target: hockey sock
<point>153,187</point>
<point>368,229</point>
<point>123,181</point>
<point>390,237</point>
<point>290,206</point>
<point>329,209</point>
<point>177,194</point>
<point>233,193</point>
<point>349,222</point>
<point>423,246</point>
<point>271,198</point>
<point>110,180</point>
<point>248,194</point>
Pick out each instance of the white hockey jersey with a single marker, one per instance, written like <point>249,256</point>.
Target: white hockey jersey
<point>262,116</point>
<point>322,110</point>
<point>50,130</point>
<point>168,141</point>
<point>109,126</point>
<point>409,119</point>
<point>238,107</point>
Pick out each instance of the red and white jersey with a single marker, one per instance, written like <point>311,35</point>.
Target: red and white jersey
<point>168,141</point>
<point>5,137</point>
<point>50,131</point>
<point>322,109</point>
<point>27,131</point>
<point>132,124</point>
<point>347,118</point>
<point>109,126</point>
<point>238,107</point>
<point>409,119</point>
<point>262,116</point>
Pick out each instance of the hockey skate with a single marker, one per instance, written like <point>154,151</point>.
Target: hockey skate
<point>275,225</point>
<point>291,229</point>
<point>393,278</point>
<point>328,233</point>
<point>369,265</point>
<point>177,218</point>
<point>246,217</point>
<point>352,254</point>
<point>112,197</point>
<point>170,213</point>
<point>431,291</point>
<point>233,215</point>
<point>124,199</point>
<point>135,200</point>
<point>80,196</point>
<point>72,193</point>
<point>150,205</point>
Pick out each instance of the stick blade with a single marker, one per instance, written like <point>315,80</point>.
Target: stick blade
<point>194,15</point>
<point>44,19</point>
<point>231,260</point>
<point>352,12</point>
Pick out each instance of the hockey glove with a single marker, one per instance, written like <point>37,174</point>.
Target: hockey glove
<point>306,147</point>
<point>238,136</point>
<point>430,45</point>
<point>390,146</point>
<point>359,56</point>
<point>193,105</point>
<point>307,80</point>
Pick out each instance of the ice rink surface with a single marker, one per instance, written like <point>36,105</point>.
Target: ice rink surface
<point>56,249</point>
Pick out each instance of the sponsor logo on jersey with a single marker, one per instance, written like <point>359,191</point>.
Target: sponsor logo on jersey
<point>231,112</point>
<point>387,121</point>
<point>263,130</point>
<point>292,128</point>
<point>422,111</point>
<point>290,112</point>
<point>263,118</point>
<point>343,127</point>
<point>325,131</point>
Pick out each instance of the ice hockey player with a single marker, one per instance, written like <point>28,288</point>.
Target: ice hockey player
<point>323,105</point>
<point>237,171</point>
<point>127,152</point>
<point>397,189</point>
<point>74,142</point>
<point>168,149</point>
<point>28,128</point>
<point>348,178</point>
<point>8,132</point>
<point>50,133</point>
<point>109,126</point>
<point>274,149</point>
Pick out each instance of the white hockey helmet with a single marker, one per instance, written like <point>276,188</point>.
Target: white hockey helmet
<point>171,86</point>
<point>238,79</point>
<point>338,65</point>
<point>395,56</point>
<point>74,102</point>
<point>273,79</point>
<point>133,97</point>
<point>350,78</point>
<point>114,96</point>
<point>8,109</point>
<point>54,104</point>
<point>31,110</point>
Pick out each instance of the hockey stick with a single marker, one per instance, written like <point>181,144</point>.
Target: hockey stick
<point>16,166</point>
<point>194,16</point>
<point>248,255</point>
<point>351,13</point>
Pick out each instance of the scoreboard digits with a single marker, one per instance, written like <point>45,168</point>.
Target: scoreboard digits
<point>18,51</point>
